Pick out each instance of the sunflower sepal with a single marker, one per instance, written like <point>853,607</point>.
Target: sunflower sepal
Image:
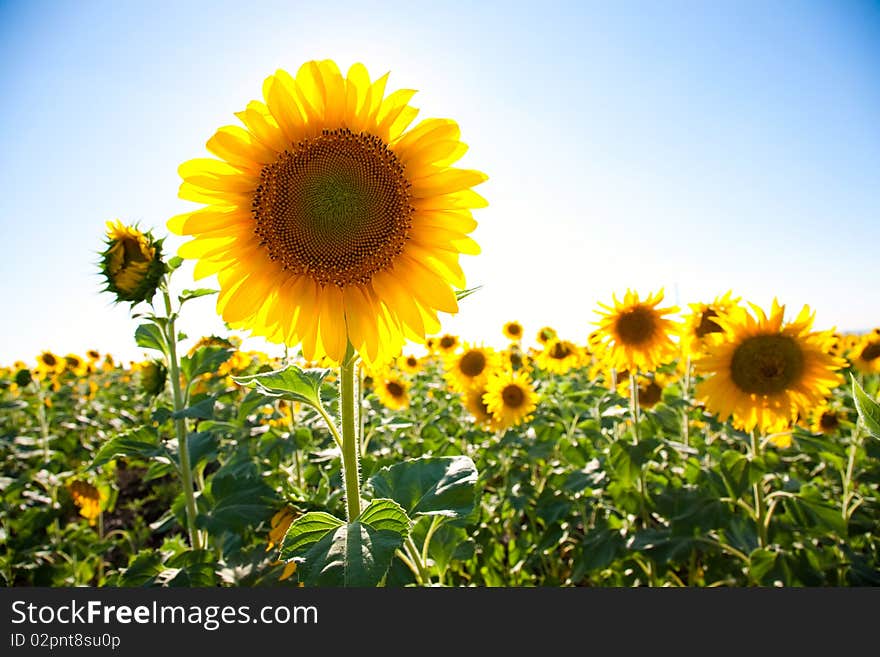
<point>316,540</point>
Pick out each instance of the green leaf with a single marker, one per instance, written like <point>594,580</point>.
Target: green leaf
<point>442,485</point>
<point>186,295</point>
<point>142,443</point>
<point>204,360</point>
<point>196,568</point>
<point>241,499</point>
<point>354,555</point>
<point>334,553</point>
<point>462,294</point>
<point>291,383</point>
<point>305,531</point>
<point>386,514</point>
<point>150,336</point>
<point>869,410</point>
<point>173,263</point>
<point>761,562</point>
<point>204,410</point>
<point>143,570</point>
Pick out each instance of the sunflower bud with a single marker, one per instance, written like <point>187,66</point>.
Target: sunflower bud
<point>152,377</point>
<point>132,263</point>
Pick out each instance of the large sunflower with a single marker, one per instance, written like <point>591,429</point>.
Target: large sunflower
<point>766,372</point>
<point>326,222</point>
<point>636,334</point>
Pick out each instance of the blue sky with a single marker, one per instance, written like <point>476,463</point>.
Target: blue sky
<point>696,146</point>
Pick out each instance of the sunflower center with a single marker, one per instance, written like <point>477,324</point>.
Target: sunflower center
<point>411,361</point>
<point>335,208</point>
<point>394,389</point>
<point>871,352</point>
<point>636,326</point>
<point>829,421</point>
<point>514,329</point>
<point>766,364</point>
<point>50,360</point>
<point>472,363</point>
<point>513,396</point>
<point>707,325</point>
<point>559,351</point>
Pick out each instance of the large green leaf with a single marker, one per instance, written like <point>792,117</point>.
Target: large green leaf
<point>241,499</point>
<point>869,410</point>
<point>441,485</point>
<point>142,442</point>
<point>149,336</point>
<point>333,553</point>
<point>204,360</point>
<point>291,382</point>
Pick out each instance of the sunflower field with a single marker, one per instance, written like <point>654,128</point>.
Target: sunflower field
<point>723,444</point>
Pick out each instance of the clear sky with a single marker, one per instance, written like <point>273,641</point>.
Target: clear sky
<point>696,146</point>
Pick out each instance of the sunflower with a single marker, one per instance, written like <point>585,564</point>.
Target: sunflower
<point>473,402</point>
<point>636,333</point>
<point>392,391</point>
<point>545,334</point>
<point>766,372</point>
<point>49,363</point>
<point>865,354</point>
<point>327,222</point>
<point>826,419</point>
<point>560,356</point>
<point>75,365</point>
<point>88,498</point>
<point>93,355</point>
<point>132,263</point>
<point>409,364</point>
<point>700,326</point>
<point>510,398</point>
<point>471,367</point>
<point>446,344</point>
<point>513,331</point>
<point>152,375</point>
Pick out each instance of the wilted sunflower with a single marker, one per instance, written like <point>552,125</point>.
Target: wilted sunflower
<point>765,372</point>
<point>865,354</point>
<point>152,375</point>
<point>636,334</point>
<point>326,222</point>
<point>560,356</point>
<point>513,331</point>
<point>510,398</point>
<point>132,263</point>
<point>700,326</point>
<point>392,391</point>
<point>470,368</point>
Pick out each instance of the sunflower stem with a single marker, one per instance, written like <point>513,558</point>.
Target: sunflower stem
<point>634,403</point>
<point>685,425</point>
<point>186,475</point>
<point>350,441</point>
<point>855,443</point>
<point>761,521</point>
